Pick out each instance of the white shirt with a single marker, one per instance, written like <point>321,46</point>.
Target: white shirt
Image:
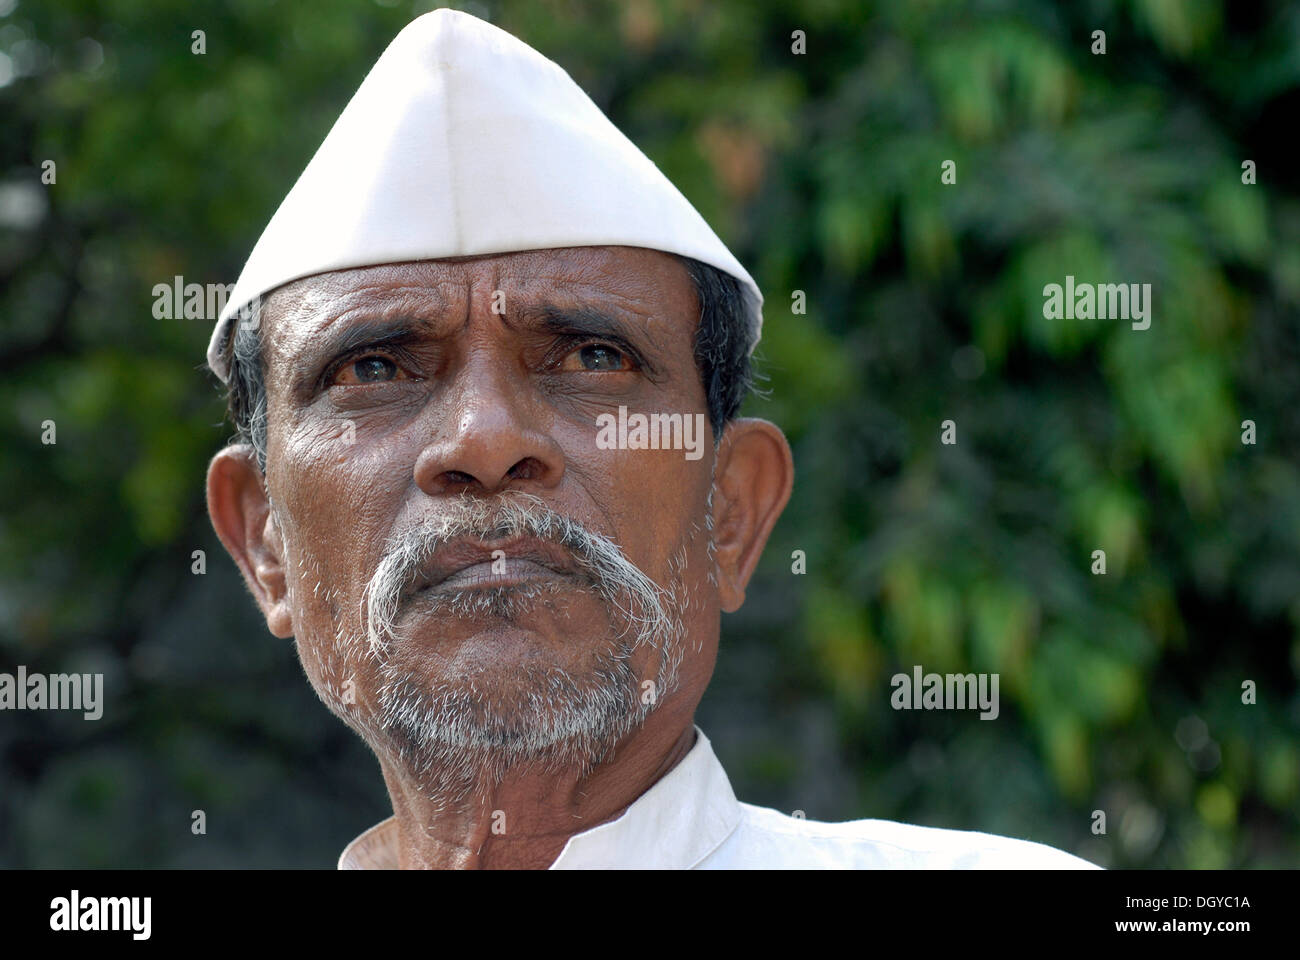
<point>691,819</point>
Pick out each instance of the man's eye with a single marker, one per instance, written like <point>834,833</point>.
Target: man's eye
<point>597,357</point>
<point>366,370</point>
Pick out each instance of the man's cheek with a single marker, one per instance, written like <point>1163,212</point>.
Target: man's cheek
<point>318,610</point>
<point>653,498</point>
<point>339,672</point>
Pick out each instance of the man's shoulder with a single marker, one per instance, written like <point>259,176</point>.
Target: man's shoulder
<point>769,838</point>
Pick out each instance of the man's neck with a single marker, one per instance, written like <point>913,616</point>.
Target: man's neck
<point>526,820</point>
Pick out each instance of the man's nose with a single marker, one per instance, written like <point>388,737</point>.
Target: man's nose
<point>492,435</point>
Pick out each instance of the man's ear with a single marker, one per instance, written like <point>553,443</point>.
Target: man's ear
<point>241,515</point>
<point>752,484</point>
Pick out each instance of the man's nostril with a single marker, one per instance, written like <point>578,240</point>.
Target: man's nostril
<point>529,468</point>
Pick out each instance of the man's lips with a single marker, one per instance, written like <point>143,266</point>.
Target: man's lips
<point>469,564</point>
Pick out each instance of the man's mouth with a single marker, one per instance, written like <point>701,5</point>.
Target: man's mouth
<point>470,564</point>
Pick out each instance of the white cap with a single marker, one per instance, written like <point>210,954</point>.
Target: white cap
<point>461,141</point>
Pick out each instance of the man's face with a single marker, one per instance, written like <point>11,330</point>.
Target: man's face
<point>450,531</point>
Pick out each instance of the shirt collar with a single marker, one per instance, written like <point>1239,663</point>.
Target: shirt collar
<point>680,820</point>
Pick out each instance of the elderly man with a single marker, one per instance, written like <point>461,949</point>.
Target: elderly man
<point>513,602</point>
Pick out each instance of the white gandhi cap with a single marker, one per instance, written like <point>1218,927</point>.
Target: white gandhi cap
<point>463,140</point>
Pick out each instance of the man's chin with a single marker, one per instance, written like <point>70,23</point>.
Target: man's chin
<point>496,721</point>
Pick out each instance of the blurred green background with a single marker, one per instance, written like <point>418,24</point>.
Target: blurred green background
<point>1120,693</point>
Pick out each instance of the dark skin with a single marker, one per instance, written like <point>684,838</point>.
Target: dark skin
<point>445,396</point>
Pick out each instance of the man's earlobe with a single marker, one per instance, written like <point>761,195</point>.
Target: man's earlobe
<point>752,485</point>
<point>241,516</point>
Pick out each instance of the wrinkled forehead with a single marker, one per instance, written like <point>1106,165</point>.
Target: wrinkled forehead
<point>647,290</point>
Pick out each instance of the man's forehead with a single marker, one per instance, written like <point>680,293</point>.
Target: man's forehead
<point>613,267</point>
<point>634,282</point>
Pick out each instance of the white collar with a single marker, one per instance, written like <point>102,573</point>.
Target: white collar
<point>679,821</point>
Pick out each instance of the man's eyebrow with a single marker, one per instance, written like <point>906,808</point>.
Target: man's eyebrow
<point>408,327</point>
<point>321,348</point>
<point>370,332</point>
<point>585,321</point>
